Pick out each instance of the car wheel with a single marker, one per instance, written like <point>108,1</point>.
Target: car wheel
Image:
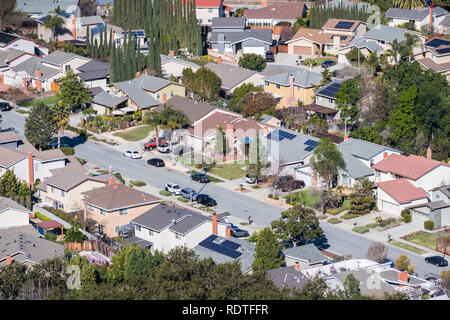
<point>167,189</point>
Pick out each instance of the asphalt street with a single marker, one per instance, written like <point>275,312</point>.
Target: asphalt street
<point>240,205</point>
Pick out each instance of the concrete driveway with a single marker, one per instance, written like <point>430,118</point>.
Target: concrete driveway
<point>286,59</point>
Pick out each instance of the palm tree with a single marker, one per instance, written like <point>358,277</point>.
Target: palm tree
<point>53,23</point>
<point>408,4</point>
<point>412,40</point>
<point>396,49</point>
<point>373,62</point>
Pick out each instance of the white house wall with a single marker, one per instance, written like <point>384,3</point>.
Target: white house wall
<point>392,205</point>
<point>13,218</point>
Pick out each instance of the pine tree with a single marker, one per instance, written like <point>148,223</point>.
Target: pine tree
<point>267,252</point>
<point>40,126</point>
<point>88,43</point>
<point>100,48</point>
<point>112,64</point>
<point>9,185</point>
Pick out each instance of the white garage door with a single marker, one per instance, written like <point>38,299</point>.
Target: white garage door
<point>389,207</point>
<point>306,178</point>
<point>418,218</point>
<point>257,50</point>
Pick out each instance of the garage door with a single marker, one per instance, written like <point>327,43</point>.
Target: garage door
<point>303,50</point>
<point>418,218</point>
<point>389,207</point>
<point>257,50</point>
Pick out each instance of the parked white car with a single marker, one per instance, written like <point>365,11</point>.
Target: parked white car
<point>173,188</point>
<point>132,154</point>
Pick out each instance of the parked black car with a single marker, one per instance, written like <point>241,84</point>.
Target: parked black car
<point>5,106</point>
<point>206,200</point>
<point>288,183</point>
<point>156,162</point>
<point>200,177</point>
<point>270,57</point>
<point>328,63</point>
<point>437,261</point>
<point>239,233</point>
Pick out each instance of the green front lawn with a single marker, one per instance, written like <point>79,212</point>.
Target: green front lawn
<point>407,247</point>
<point>228,171</point>
<point>47,100</point>
<point>426,239</point>
<point>135,134</point>
<point>317,61</point>
<point>311,198</point>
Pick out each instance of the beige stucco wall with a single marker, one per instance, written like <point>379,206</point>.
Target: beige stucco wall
<point>305,94</point>
<point>177,90</point>
<point>112,219</point>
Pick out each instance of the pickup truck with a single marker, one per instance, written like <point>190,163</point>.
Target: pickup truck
<point>151,144</point>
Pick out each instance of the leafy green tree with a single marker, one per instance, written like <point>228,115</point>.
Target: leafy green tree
<point>327,160</point>
<point>239,12</point>
<point>53,22</point>
<point>317,126</point>
<point>347,98</point>
<point>408,4</point>
<point>314,289</point>
<point>259,103</point>
<point>397,49</point>
<point>351,288</point>
<point>411,42</point>
<point>75,235</point>
<point>9,184</point>
<point>267,252</point>
<point>361,200</point>
<point>207,84</point>
<point>241,91</point>
<point>253,61</point>
<point>221,146</point>
<point>39,126</point>
<point>257,157</point>
<point>326,77</point>
<point>372,62</point>
<point>298,223</point>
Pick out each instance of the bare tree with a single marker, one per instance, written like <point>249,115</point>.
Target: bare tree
<point>377,252</point>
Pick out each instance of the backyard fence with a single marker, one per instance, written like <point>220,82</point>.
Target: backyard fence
<point>91,245</point>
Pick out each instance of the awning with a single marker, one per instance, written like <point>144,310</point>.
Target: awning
<point>49,224</point>
<point>128,109</point>
<point>117,112</point>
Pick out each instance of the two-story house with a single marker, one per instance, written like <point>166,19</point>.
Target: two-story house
<point>167,227</point>
<point>115,205</point>
<point>431,16</point>
<point>436,210</point>
<point>436,56</point>
<point>206,10</point>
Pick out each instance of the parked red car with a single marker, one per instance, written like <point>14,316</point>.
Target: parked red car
<point>151,144</point>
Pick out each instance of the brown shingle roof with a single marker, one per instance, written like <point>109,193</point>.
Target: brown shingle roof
<point>194,110</point>
<point>9,157</point>
<point>8,136</point>
<point>277,10</point>
<point>117,196</point>
<point>51,154</point>
<point>318,36</point>
<point>67,180</point>
<point>436,67</point>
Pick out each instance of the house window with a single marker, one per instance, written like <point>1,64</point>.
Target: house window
<point>266,83</point>
<point>158,96</point>
<point>102,212</point>
<point>299,89</point>
<point>123,211</point>
<point>438,196</point>
<point>150,232</point>
<point>53,190</point>
<point>172,93</point>
<point>61,205</point>
<point>210,10</point>
<point>178,236</point>
<point>329,47</point>
<point>63,193</point>
<point>278,86</point>
<point>209,20</point>
<point>137,227</point>
<point>67,67</point>
<point>345,179</point>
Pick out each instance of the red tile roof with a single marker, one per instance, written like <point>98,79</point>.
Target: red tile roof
<point>402,191</point>
<point>411,167</point>
<point>208,3</point>
<point>49,224</point>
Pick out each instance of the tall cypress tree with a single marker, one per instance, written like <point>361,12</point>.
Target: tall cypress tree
<point>112,64</point>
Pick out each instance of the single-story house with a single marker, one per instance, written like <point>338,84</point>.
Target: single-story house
<point>166,227</point>
<point>288,277</point>
<point>16,42</point>
<point>115,205</point>
<point>306,256</point>
<point>437,210</point>
<point>12,214</point>
<point>105,103</point>
<point>420,17</point>
<point>436,56</point>
<point>271,14</point>
<point>193,109</point>
<point>173,66</point>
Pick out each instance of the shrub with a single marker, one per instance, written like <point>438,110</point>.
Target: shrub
<point>276,198</point>
<point>407,218</point>
<point>334,220</point>
<point>182,199</point>
<point>322,216</point>
<point>40,216</point>
<point>428,225</point>
<point>137,183</point>
<point>386,222</point>
<point>118,176</point>
<point>360,229</point>
<point>255,187</point>
<point>270,196</point>
<point>294,203</point>
<point>349,216</point>
<point>50,236</point>
<point>165,193</point>
<point>372,225</point>
<point>404,212</point>
<point>68,151</point>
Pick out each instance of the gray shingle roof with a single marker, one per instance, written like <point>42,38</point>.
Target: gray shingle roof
<point>24,244</point>
<point>67,179</point>
<point>307,252</point>
<point>143,99</point>
<point>230,75</point>
<point>150,83</point>
<point>302,78</point>
<point>7,203</point>
<point>364,43</point>
<point>263,35</point>
<point>194,110</point>
<point>445,22</point>
<point>245,259</point>
<point>288,276</point>
<point>59,57</point>
<point>85,21</point>
<point>9,55</point>
<point>416,15</point>
<point>31,65</point>
<point>229,23</point>
<point>162,216</point>
<point>434,205</point>
<point>45,6</point>
<point>108,100</point>
<point>386,33</point>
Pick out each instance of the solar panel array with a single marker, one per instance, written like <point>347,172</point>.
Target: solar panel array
<point>281,135</point>
<point>311,144</point>
<point>331,90</point>
<point>442,51</point>
<point>436,42</point>
<point>344,25</point>
<point>227,247</point>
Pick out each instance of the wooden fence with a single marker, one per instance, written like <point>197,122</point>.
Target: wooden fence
<point>91,245</point>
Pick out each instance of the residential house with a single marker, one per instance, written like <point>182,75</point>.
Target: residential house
<point>270,120</point>
<point>9,59</point>
<point>334,35</point>
<point>23,245</point>
<point>223,250</point>
<point>436,56</point>
<point>173,66</point>
<point>444,26</point>
<point>325,102</point>
<point>12,41</point>
<point>94,74</point>
<point>420,17</point>
<point>305,256</point>
<point>378,39</point>
<point>292,88</point>
<point>12,214</point>
<point>288,277</point>
<point>83,23</point>
<point>437,210</point>
<point>405,181</point>
<point>64,61</point>
<point>167,227</point>
<point>271,14</point>
<point>230,36</point>
<point>115,206</point>
<point>63,189</point>
<point>43,7</point>
<point>207,10</point>
<point>28,163</point>
<point>201,136</point>
<point>193,109</point>
<point>347,4</point>
<point>233,76</point>
<point>106,103</point>
<point>72,29</point>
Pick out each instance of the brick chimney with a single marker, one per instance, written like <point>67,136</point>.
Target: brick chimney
<point>228,232</point>
<point>264,4</point>
<point>429,153</point>
<point>8,260</point>
<point>111,180</point>
<point>266,130</point>
<point>164,97</point>
<point>297,266</point>
<point>403,276</point>
<point>171,53</point>
<point>30,170</point>
<point>385,155</point>
<point>25,83</point>
<point>38,74</point>
<point>219,61</point>
<point>214,224</point>
<point>431,15</point>
<point>138,74</point>
<point>346,137</point>
<point>74,30</point>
